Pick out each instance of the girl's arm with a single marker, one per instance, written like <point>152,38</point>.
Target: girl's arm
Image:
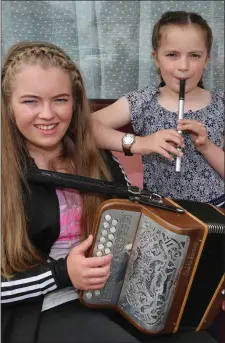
<point>215,157</point>
<point>35,282</point>
<point>116,115</point>
<point>105,123</point>
<point>75,270</point>
<point>106,137</point>
<point>212,153</point>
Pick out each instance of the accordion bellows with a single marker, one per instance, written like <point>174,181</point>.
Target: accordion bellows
<point>167,271</point>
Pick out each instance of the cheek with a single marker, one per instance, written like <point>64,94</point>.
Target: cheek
<point>167,68</point>
<point>197,70</point>
<point>22,118</point>
<point>64,114</point>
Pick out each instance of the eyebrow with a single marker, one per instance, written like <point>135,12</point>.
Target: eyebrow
<point>37,97</point>
<point>190,52</point>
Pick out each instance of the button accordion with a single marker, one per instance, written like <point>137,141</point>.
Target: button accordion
<point>167,270</point>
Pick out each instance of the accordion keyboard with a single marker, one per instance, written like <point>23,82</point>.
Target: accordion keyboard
<point>147,259</point>
<point>115,236</point>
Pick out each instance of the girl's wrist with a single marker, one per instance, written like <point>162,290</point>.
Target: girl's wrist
<point>203,148</point>
<point>140,147</point>
<point>136,147</point>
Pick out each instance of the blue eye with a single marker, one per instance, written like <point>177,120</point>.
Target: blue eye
<point>61,100</point>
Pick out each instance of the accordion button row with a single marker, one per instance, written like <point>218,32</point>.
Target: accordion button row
<point>101,247</point>
<point>89,294</point>
<point>107,236</point>
<point>104,245</point>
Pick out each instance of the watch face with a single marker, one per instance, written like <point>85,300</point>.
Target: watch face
<point>128,139</point>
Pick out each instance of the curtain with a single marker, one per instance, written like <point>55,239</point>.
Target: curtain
<point>109,40</point>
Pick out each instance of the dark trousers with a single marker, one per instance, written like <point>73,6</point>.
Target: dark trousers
<point>73,322</point>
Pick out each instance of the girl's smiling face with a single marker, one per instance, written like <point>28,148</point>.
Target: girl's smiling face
<point>42,105</point>
<point>182,54</point>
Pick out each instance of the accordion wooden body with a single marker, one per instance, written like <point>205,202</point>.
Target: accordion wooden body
<point>167,270</point>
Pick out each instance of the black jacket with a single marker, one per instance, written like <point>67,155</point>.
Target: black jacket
<point>22,296</point>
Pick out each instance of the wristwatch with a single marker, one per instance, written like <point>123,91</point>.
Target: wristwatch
<point>127,141</point>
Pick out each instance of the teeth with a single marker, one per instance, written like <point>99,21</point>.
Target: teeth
<point>46,127</point>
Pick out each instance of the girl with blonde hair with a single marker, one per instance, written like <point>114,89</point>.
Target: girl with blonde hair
<point>46,231</point>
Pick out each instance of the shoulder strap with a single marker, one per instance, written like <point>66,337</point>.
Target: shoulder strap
<point>89,185</point>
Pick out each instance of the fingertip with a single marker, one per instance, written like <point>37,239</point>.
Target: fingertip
<point>110,257</point>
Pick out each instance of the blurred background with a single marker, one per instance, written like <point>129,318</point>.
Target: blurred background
<point>110,40</point>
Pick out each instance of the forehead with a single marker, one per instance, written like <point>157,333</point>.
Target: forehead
<point>187,37</point>
<point>37,79</point>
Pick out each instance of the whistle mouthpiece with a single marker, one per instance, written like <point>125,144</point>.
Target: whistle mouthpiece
<point>182,89</point>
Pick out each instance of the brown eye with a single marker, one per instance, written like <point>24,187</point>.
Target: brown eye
<point>171,55</point>
<point>195,56</point>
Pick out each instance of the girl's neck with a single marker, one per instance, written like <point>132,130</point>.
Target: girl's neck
<point>41,156</point>
<point>167,92</point>
<point>195,100</point>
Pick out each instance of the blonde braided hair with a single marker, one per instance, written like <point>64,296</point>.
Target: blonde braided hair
<point>79,152</point>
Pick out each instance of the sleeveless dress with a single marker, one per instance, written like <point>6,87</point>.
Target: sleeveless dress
<point>197,180</point>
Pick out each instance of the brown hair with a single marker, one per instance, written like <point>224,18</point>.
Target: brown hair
<point>79,153</point>
<point>181,18</point>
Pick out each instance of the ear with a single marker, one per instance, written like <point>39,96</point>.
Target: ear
<point>154,55</point>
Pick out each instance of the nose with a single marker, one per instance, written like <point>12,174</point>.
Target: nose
<point>183,64</point>
<point>46,112</point>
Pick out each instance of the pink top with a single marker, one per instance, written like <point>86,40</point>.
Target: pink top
<point>70,204</point>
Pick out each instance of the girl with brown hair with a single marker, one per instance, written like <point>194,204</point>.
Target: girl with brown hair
<point>181,48</point>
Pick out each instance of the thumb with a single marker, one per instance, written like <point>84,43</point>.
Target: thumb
<point>84,246</point>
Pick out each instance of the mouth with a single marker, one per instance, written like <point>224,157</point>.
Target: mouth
<point>182,78</point>
<point>45,127</point>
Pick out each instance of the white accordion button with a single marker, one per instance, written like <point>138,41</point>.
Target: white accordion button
<point>107,251</point>
<point>114,222</point>
<point>109,244</point>
<point>100,246</point>
<point>106,225</point>
<point>99,253</point>
<point>128,247</point>
<point>102,239</point>
<point>97,292</point>
<point>108,217</point>
<point>111,237</point>
<point>113,229</point>
<point>104,232</point>
<point>89,295</point>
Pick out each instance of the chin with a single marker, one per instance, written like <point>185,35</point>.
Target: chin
<point>46,146</point>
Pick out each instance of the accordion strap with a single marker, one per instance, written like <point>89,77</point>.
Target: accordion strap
<point>91,185</point>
